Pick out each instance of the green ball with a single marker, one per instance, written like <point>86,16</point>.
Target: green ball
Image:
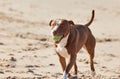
<point>56,38</point>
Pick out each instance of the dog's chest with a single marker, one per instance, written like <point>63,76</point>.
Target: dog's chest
<point>61,49</point>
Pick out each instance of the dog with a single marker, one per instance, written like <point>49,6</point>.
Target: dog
<point>72,37</point>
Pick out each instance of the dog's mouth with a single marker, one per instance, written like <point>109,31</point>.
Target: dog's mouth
<point>57,38</point>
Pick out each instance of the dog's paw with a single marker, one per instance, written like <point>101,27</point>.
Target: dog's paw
<point>93,73</point>
<point>64,76</point>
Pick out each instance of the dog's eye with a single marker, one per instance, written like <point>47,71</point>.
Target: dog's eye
<point>61,25</point>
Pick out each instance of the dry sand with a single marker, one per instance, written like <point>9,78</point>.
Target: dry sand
<point>26,47</point>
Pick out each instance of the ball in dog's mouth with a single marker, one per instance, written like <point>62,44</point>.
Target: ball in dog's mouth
<point>57,38</point>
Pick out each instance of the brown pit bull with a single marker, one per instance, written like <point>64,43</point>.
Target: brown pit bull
<point>69,39</point>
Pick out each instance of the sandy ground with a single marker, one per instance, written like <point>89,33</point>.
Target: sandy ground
<point>26,47</point>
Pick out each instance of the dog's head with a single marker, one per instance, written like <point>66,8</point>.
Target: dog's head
<point>60,28</point>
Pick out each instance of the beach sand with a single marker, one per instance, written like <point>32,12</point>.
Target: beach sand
<point>26,46</point>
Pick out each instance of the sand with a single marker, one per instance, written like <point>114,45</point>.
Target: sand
<point>26,46</point>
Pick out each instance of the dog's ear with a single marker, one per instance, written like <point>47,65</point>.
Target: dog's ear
<point>71,22</point>
<point>50,22</point>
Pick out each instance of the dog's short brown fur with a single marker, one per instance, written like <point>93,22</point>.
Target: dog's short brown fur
<point>78,36</point>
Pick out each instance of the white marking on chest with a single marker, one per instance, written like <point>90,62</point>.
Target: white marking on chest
<point>61,47</point>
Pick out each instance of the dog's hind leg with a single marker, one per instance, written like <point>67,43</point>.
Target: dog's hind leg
<point>75,72</point>
<point>75,69</point>
<point>90,47</point>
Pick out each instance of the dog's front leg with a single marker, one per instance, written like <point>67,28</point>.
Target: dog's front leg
<point>69,66</point>
<point>62,62</point>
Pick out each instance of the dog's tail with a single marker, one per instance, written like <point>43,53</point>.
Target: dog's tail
<point>93,14</point>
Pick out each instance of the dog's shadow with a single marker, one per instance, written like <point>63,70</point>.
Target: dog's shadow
<point>73,77</point>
